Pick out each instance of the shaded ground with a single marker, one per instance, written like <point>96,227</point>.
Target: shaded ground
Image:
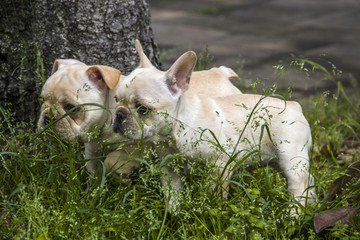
<point>261,33</point>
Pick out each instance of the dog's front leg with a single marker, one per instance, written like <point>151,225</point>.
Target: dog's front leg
<point>94,167</point>
<point>95,170</point>
<point>172,186</point>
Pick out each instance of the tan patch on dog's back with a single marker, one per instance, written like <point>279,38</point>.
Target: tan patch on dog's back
<point>217,80</point>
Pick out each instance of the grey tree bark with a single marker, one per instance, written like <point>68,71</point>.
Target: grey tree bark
<point>33,33</point>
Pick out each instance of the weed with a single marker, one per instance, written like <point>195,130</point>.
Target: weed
<point>204,60</point>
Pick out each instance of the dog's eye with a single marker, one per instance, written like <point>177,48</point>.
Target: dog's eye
<point>142,110</point>
<point>69,106</point>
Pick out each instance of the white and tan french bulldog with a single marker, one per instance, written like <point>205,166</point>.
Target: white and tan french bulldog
<point>78,100</point>
<point>158,106</point>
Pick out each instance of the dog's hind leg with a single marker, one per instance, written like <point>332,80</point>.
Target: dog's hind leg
<point>295,168</point>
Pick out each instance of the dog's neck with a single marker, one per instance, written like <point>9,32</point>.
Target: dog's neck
<point>182,104</point>
<point>178,107</point>
<point>106,122</point>
<point>181,113</point>
<point>107,140</point>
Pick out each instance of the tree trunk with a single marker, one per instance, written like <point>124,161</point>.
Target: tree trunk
<point>33,33</point>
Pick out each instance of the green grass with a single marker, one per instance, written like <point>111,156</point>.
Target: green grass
<point>43,180</point>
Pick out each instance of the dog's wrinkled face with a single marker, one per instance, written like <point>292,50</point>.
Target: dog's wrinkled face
<point>148,97</point>
<point>72,84</point>
<point>139,101</point>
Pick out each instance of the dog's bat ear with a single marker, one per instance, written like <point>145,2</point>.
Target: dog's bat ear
<point>103,77</point>
<point>144,61</point>
<point>178,76</point>
<point>59,63</point>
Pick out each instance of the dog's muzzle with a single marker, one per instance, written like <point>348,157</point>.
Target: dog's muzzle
<point>46,120</point>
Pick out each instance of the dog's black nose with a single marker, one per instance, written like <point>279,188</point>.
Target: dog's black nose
<point>120,117</point>
<point>119,120</point>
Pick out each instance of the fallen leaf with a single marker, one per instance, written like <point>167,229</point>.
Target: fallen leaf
<point>328,219</point>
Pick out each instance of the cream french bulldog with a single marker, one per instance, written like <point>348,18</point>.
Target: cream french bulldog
<point>160,107</point>
<point>71,85</point>
<point>78,100</point>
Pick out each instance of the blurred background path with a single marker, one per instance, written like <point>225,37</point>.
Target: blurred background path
<point>258,34</point>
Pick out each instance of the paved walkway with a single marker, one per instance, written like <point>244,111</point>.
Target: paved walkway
<point>261,33</point>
